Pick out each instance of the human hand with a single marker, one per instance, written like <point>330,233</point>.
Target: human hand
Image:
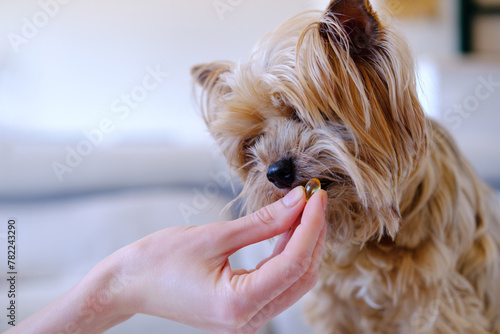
<point>184,274</point>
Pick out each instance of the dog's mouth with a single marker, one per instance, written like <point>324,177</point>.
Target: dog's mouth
<point>284,175</point>
<point>325,184</point>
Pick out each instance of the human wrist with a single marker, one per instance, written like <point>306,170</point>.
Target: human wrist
<point>100,296</point>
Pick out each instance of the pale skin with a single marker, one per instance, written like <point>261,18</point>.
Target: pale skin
<point>183,274</point>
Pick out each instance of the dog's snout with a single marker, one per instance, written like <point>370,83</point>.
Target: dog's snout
<point>281,173</point>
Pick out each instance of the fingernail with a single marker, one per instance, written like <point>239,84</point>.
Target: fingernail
<point>293,197</point>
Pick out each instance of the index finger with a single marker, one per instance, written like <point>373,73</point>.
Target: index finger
<point>280,272</point>
<point>263,224</point>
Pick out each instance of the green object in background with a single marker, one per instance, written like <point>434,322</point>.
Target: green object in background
<point>469,10</point>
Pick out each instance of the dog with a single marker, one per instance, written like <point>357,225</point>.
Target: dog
<point>413,240</point>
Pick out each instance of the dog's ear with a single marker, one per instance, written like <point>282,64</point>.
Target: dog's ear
<point>210,77</point>
<point>205,74</point>
<point>352,24</point>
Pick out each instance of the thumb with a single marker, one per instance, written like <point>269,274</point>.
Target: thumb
<point>263,224</point>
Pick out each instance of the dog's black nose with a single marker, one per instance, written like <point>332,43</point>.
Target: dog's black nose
<point>281,173</point>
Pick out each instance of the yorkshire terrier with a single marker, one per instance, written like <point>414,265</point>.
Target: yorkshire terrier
<point>414,236</point>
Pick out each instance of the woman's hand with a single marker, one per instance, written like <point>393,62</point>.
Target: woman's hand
<point>183,274</point>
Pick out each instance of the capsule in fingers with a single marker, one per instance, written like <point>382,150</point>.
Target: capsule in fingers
<point>311,187</point>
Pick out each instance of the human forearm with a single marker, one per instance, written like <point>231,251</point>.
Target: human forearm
<point>91,306</point>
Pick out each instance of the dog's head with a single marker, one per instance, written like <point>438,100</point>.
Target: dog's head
<point>328,95</point>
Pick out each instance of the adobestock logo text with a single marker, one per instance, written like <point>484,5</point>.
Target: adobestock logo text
<point>31,26</point>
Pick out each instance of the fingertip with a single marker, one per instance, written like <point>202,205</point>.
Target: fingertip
<point>294,196</point>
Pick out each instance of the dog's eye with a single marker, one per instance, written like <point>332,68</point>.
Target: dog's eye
<point>294,115</point>
<point>250,142</point>
<point>319,117</point>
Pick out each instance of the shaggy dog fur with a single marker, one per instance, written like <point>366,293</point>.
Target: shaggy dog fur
<point>414,235</point>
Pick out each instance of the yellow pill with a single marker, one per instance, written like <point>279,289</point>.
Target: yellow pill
<point>311,187</point>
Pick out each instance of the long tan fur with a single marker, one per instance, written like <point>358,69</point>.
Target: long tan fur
<point>414,235</point>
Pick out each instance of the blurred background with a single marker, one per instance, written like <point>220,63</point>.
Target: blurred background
<point>101,143</point>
